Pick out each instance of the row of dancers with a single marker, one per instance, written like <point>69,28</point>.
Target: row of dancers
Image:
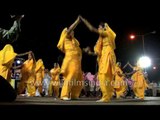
<point>32,70</point>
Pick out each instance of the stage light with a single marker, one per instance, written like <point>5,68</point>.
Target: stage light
<point>18,62</point>
<point>144,62</point>
<point>132,37</point>
<point>154,68</point>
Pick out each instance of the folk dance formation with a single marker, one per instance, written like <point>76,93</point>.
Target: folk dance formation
<point>68,81</point>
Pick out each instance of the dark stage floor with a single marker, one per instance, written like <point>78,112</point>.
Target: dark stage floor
<point>82,101</point>
<point>44,106</point>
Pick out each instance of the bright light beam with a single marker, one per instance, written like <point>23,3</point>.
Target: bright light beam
<point>144,62</point>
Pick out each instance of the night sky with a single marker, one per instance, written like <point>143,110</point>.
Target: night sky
<point>43,23</point>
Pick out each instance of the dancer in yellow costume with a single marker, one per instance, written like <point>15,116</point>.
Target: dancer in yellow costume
<point>7,56</point>
<point>106,58</point>
<point>39,76</point>
<point>119,84</point>
<point>55,81</point>
<point>140,84</point>
<point>28,76</point>
<point>71,66</point>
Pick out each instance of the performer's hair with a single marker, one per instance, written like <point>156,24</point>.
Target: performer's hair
<point>102,24</point>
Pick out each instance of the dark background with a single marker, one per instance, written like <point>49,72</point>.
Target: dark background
<point>43,23</point>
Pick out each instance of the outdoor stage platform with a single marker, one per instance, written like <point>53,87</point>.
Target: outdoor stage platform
<point>82,101</point>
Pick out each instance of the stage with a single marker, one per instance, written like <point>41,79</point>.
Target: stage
<point>81,101</point>
<point>84,107</point>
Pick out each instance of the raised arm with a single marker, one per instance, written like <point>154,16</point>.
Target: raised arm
<point>90,27</point>
<point>17,67</point>
<point>13,33</point>
<point>34,60</point>
<point>125,65</point>
<point>22,54</point>
<point>74,25</point>
<point>130,65</point>
<point>120,74</point>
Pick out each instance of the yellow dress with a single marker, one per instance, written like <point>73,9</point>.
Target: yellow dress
<point>28,78</point>
<point>39,74</point>
<point>140,83</point>
<point>7,56</point>
<point>55,82</point>
<point>71,66</point>
<point>119,84</point>
<point>106,59</point>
